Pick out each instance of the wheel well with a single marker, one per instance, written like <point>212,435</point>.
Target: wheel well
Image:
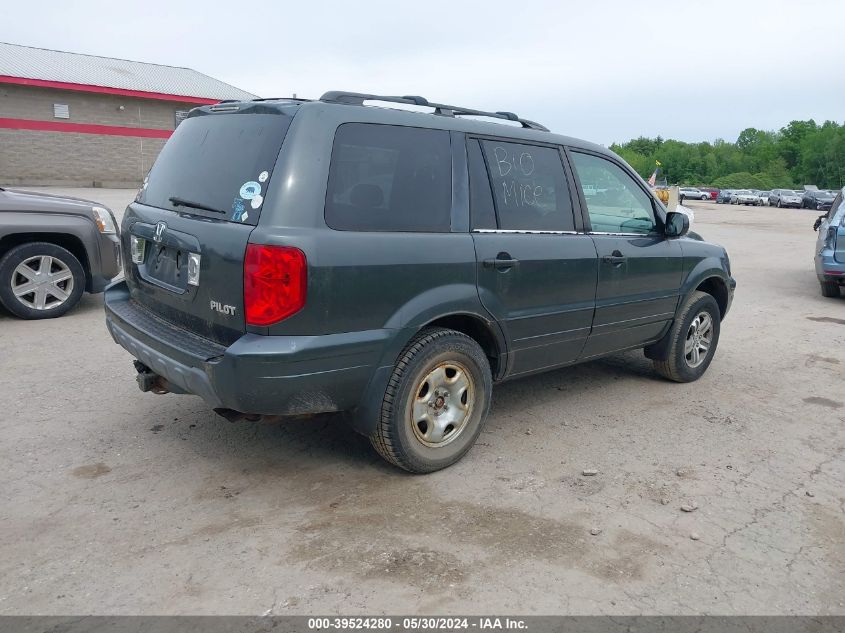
<point>719,291</point>
<point>478,330</point>
<point>70,242</point>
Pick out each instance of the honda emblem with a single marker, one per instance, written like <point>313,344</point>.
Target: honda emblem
<point>161,227</point>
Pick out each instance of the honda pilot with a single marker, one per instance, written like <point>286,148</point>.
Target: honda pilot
<point>289,257</point>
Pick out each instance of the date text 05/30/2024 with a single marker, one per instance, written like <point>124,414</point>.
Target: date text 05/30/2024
<point>417,623</point>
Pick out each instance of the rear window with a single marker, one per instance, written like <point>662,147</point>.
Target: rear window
<point>222,162</point>
<point>390,178</point>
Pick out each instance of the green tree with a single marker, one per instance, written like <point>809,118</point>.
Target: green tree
<point>800,153</point>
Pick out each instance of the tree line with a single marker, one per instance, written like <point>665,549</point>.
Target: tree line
<point>802,153</point>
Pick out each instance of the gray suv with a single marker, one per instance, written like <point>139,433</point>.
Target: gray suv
<point>291,257</point>
<point>52,249</point>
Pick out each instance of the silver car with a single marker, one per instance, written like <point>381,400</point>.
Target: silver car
<point>784,198</point>
<point>744,196</point>
<point>691,193</point>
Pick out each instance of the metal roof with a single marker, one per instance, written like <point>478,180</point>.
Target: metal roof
<point>47,65</point>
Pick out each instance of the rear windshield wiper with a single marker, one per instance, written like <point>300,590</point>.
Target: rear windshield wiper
<point>181,202</point>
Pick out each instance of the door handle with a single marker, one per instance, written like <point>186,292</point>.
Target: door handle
<point>501,263</point>
<point>616,258</point>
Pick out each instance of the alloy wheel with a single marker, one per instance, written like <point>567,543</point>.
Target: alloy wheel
<point>699,339</point>
<point>42,282</point>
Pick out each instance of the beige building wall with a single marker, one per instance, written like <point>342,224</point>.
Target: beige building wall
<point>30,157</point>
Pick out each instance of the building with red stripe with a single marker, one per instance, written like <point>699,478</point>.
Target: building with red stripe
<point>81,120</point>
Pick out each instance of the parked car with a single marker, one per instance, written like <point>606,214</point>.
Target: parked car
<point>724,196</point>
<point>52,249</point>
<point>763,198</point>
<point>784,198</point>
<point>691,193</point>
<point>819,200</point>
<point>830,248</point>
<point>254,284</point>
<point>712,193</point>
<point>743,196</point>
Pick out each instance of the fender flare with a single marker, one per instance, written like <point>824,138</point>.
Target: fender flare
<point>82,229</point>
<point>702,273</point>
<point>455,300</point>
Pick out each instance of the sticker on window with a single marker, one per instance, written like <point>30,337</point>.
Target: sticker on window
<point>250,189</point>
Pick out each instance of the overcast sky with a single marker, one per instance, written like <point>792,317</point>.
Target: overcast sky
<point>600,70</point>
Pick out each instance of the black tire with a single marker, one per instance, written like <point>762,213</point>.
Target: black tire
<point>54,308</point>
<point>829,288</point>
<point>395,438</point>
<point>676,366</point>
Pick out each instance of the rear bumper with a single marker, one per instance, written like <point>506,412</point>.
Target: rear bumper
<point>268,375</point>
<point>828,269</point>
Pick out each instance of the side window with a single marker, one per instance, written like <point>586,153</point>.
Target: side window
<point>389,178</point>
<point>615,202</point>
<point>481,211</point>
<point>529,187</point>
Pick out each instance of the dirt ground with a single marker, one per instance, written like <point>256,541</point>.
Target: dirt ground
<point>119,502</point>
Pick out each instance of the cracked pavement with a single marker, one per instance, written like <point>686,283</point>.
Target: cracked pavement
<point>119,502</point>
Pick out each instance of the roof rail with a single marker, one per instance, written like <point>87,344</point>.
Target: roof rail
<point>357,98</point>
<point>280,99</point>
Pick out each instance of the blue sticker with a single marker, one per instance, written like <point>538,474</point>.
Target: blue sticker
<point>238,207</point>
<point>250,189</point>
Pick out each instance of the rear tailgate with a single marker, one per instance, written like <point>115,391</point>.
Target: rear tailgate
<point>200,202</point>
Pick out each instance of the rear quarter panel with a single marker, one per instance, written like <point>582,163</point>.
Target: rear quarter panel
<point>360,281</point>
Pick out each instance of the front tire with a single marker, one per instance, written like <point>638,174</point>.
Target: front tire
<point>692,340</point>
<point>40,280</point>
<point>829,288</point>
<point>436,402</point>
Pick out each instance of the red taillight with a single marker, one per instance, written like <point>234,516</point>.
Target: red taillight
<point>275,279</point>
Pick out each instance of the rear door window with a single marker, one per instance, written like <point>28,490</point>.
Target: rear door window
<point>529,187</point>
<point>217,165</point>
<point>616,204</point>
<point>390,178</point>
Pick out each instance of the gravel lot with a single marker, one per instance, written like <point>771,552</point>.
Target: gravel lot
<point>120,502</point>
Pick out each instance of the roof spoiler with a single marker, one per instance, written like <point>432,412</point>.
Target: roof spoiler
<point>357,98</point>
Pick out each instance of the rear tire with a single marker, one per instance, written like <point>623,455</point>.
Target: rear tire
<point>829,288</point>
<point>40,280</point>
<point>692,340</point>
<point>435,403</point>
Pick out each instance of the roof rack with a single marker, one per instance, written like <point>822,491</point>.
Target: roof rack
<point>280,99</point>
<point>357,98</point>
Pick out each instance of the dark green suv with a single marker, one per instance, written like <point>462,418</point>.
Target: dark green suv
<point>290,257</point>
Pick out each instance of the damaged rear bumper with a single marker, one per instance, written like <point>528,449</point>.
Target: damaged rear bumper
<point>261,375</point>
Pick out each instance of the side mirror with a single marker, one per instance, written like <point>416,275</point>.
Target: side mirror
<point>677,224</point>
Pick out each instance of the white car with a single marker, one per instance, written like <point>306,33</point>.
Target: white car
<point>744,196</point>
<point>691,193</point>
